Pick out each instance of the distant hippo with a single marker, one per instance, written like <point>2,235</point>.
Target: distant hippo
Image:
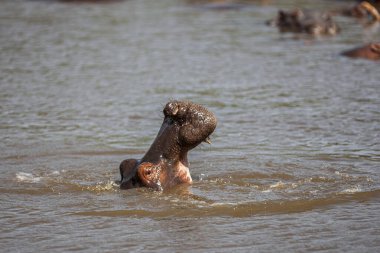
<point>370,52</point>
<point>165,164</point>
<point>373,2</point>
<point>363,10</point>
<point>305,21</point>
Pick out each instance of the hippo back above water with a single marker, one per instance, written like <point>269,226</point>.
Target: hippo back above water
<point>370,52</point>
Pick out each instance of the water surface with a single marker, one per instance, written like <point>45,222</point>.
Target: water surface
<point>293,164</point>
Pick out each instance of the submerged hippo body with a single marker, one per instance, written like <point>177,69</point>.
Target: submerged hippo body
<point>165,164</point>
<point>305,21</point>
<point>370,52</point>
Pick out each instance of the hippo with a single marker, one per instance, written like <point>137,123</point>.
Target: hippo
<point>369,51</point>
<point>373,2</point>
<point>362,10</point>
<point>165,164</point>
<point>305,21</point>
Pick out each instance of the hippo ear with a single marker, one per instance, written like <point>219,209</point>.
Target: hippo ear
<point>149,174</point>
<point>127,172</point>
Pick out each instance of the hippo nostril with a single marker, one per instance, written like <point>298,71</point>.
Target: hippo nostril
<point>171,109</point>
<point>175,111</point>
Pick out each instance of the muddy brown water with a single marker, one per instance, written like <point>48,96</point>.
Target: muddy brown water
<point>293,165</point>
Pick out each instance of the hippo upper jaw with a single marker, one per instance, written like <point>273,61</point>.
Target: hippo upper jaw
<point>185,126</point>
<point>165,164</point>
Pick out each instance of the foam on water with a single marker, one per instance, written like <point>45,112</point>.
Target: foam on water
<point>103,186</point>
<point>27,177</point>
<point>354,189</point>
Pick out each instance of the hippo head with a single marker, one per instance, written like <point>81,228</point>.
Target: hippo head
<point>165,164</point>
<point>289,21</point>
<point>305,21</point>
<point>366,9</point>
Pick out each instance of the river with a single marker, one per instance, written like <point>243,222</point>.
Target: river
<point>294,161</point>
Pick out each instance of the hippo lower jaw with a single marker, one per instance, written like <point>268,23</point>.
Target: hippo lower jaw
<point>163,175</point>
<point>165,164</point>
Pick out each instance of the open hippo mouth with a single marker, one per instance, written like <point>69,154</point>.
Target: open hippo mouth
<point>165,164</point>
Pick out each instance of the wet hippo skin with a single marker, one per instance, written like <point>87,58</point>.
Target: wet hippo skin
<point>165,165</point>
<point>369,51</point>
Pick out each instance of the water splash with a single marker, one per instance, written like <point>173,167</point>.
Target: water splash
<point>354,189</point>
<point>27,177</point>
<point>103,187</point>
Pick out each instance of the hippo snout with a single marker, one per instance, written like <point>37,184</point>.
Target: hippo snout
<point>194,121</point>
